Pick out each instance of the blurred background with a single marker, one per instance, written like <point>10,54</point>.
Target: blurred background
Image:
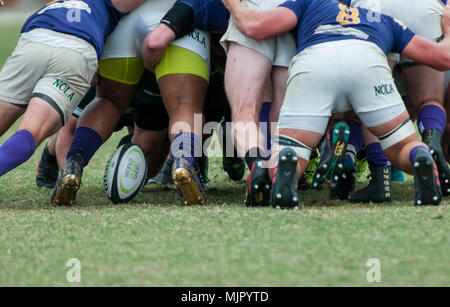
<point>16,11</point>
<point>12,16</point>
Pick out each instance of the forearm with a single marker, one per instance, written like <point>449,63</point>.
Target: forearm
<point>155,45</point>
<point>443,58</point>
<point>248,21</point>
<point>261,25</point>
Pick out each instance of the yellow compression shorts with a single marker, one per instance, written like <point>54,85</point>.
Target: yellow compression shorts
<point>178,60</point>
<point>122,70</point>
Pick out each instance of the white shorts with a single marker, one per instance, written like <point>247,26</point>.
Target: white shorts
<point>280,50</point>
<point>320,84</point>
<point>53,66</point>
<point>423,17</point>
<point>126,40</point>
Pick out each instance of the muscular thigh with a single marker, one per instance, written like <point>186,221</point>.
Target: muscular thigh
<point>183,91</point>
<point>119,94</point>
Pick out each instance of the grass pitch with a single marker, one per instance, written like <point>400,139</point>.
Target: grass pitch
<point>156,242</point>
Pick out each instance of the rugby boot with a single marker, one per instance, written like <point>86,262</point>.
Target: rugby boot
<point>185,177</point>
<point>234,167</point>
<point>433,138</point>
<point>346,181</point>
<point>164,176</point>
<point>258,186</point>
<point>47,171</point>
<point>202,171</point>
<point>379,188</point>
<point>426,179</point>
<point>68,183</point>
<point>283,194</point>
<point>332,153</point>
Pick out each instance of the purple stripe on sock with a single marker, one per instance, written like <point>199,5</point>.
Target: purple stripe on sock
<point>375,155</point>
<point>86,142</point>
<point>188,145</point>
<point>355,134</point>
<point>431,117</point>
<point>16,150</point>
<point>412,153</point>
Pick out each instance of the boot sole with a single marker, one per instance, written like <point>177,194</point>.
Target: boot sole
<point>286,181</point>
<point>428,191</point>
<point>333,168</point>
<point>65,195</point>
<point>191,195</point>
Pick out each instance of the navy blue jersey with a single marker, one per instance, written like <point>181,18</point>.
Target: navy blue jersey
<point>209,15</point>
<point>321,21</point>
<point>91,20</point>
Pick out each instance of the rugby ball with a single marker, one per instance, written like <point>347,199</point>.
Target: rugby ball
<point>125,173</point>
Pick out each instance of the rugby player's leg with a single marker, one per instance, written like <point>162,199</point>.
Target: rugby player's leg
<point>289,160</point>
<point>184,95</point>
<point>118,79</point>
<point>425,88</point>
<point>39,121</point>
<point>151,123</point>
<point>379,188</point>
<point>9,113</point>
<point>64,140</point>
<point>247,73</point>
<point>403,148</point>
<point>182,77</point>
<point>154,147</point>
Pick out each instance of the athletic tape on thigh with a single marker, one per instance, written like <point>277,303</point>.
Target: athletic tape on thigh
<point>398,134</point>
<point>282,141</point>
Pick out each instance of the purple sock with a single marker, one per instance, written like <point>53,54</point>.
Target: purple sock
<point>85,143</point>
<point>431,117</point>
<point>355,134</point>
<point>412,153</point>
<point>188,145</point>
<point>264,117</point>
<point>375,155</point>
<point>16,150</point>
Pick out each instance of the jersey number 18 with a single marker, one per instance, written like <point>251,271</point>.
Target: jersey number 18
<point>348,15</point>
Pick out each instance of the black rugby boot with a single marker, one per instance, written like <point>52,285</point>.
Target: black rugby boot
<point>379,188</point>
<point>426,179</point>
<point>258,185</point>
<point>47,171</point>
<point>433,138</point>
<point>283,194</point>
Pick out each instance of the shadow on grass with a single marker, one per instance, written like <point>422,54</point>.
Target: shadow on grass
<point>29,197</point>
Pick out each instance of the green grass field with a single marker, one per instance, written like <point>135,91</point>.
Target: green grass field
<point>153,241</point>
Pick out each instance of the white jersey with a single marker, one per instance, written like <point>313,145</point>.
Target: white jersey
<point>423,17</point>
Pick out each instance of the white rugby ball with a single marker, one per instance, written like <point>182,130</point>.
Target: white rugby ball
<point>125,173</point>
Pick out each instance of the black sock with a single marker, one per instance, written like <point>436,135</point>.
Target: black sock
<point>47,156</point>
<point>253,155</point>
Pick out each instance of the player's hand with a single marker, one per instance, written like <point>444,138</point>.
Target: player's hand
<point>1,3</point>
<point>445,21</point>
